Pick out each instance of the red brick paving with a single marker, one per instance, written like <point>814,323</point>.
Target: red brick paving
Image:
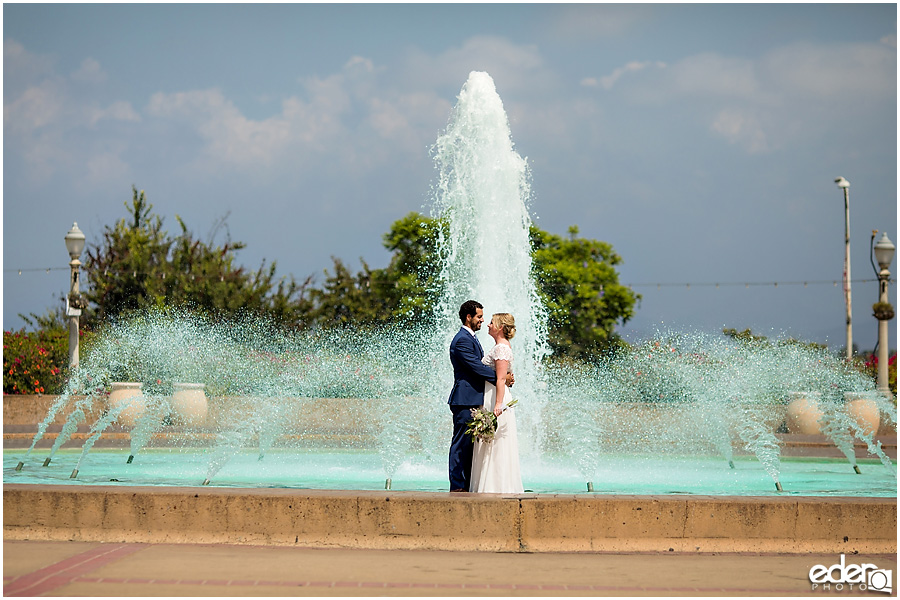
<point>354,570</point>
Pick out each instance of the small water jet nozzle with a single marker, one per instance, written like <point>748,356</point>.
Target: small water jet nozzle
<point>74,474</point>
<point>778,486</point>
<point>730,464</point>
<point>260,457</point>
<point>856,468</point>
<point>590,486</point>
<point>387,483</point>
<point>130,458</point>
<point>205,481</point>
<point>20,465</point>
<point>47,461</point>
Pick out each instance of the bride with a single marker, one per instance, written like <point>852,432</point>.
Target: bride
<point>495,464</point>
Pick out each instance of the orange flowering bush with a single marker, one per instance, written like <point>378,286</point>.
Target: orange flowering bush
<point>870,367</point>
<point>34,362</point>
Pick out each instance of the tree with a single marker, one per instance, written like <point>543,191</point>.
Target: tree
<point>580,288</point>
<point>748,337</point>
<point>406,291</point>
<point>575,277</point>
<point>348,299</point>
<point>415,265</point>
<point>124,270</point>
<point>138,265</point>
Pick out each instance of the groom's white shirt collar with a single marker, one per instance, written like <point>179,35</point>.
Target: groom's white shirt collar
<point>469,329</point>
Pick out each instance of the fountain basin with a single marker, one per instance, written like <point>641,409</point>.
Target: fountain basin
<point>336,469</point>
<point>443,521</point>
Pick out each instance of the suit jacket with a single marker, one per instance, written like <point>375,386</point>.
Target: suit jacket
<point>469,373</point>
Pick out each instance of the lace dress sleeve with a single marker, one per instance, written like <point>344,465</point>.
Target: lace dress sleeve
<point>502,352</point>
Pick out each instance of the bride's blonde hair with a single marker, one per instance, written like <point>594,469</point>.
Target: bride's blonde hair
<point>505,322</point>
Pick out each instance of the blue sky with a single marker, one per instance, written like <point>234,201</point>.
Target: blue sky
<point>701,140</point>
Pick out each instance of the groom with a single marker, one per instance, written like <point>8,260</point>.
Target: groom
<point>469,375</point>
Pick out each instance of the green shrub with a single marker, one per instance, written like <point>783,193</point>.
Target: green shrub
<point>35,362</point>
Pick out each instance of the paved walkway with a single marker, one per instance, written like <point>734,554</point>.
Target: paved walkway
<point>34,568</point>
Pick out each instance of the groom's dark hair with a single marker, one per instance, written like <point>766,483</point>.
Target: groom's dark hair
<point>468,308</point>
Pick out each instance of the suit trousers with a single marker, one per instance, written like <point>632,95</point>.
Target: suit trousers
<point>461,448</point>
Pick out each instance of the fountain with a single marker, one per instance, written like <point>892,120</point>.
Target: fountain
<point>683,413</point>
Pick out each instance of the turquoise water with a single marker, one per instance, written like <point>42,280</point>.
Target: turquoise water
<point>356,470</point>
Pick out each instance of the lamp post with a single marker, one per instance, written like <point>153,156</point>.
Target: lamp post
<point>884,254</point>
<point>845,185</point>
<point>74,244</point>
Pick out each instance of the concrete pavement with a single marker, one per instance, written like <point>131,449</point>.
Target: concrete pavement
<point>58,568</point>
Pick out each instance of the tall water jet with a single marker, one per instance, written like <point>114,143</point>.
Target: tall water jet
<point>483,193</point>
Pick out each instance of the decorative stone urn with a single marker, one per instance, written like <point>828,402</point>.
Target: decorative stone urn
<point>129,393</point>
<point>189,404</point>
<point>863,410</point>
<point>803,413</point>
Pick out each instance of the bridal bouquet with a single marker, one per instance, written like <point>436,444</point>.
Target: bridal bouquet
<point>484,423</point>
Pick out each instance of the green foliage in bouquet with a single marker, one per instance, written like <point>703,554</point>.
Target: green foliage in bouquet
<point>484,423</point>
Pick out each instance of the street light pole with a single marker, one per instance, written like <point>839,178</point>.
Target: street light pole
<point>845,185</point>
<point>74,244</point>
<point>884,254</point>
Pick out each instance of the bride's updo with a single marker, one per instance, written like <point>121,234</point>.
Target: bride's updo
<point>505,322</point>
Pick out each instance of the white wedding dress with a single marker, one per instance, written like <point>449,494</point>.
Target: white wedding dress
<point>495,465</point>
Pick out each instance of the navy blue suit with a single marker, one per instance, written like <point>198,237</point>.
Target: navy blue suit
<point>469,375</point>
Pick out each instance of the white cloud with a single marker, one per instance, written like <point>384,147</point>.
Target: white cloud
<point>23,67</point>
<point>117,111</point>
<point>361,62</point>
<point>89,72</point>
<point>774,100</point>
<point>333,125</point>
<point>610,80</point>
<point>104,167</point>
<point>12,49</point>
<point>816,72</point>
<point>358,118</point>
<point>837,71</point>
<point>33,125</point>
<point>47,122</point>
<point>230,137</point>
<point>353,119</point>
<point>35,108</point>
<point>515,68</point>
<point>713,75</point>
<point>740,127</point>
